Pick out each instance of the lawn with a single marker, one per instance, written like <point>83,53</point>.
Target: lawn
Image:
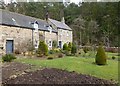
<point>78,64</point>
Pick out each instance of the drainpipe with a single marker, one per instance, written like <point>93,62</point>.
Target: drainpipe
<point>32,38</point>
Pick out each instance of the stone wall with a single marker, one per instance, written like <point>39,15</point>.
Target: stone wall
<point>65,36</point>
<point>50,37</point>
<point>23,36</point>
<point>17,34</point>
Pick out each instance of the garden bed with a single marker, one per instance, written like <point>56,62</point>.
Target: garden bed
<point>55,76</point>
<point>14,69</point>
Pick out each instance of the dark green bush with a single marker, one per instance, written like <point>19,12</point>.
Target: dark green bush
<point>50,57</point>
<point>74,49</point>
<point>113,57</point>
<point>8,58</point>
<point>69,46</point>
<point>65,47</point>
<point>52,51</point>
<point>101,58</point>
<point>42,49</point>
<point>54,44</point>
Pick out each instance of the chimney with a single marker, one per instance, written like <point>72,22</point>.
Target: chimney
<point>63,20</point>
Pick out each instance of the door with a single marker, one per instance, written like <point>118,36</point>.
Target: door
<point>9,46</point>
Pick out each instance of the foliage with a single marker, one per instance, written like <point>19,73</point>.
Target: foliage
<point>85,49</point>
<point>54,44</point>
<point>50,57</point>
<point>101,58</point>
<point>67,53</point>
<point>42,49</point>
<point>65,47</point>
<point>69,46</point>
<point>8,58</point>
<point>113,57</point>
<point>74,49</point>
<point>51,51</point>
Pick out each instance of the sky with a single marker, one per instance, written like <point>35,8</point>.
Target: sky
<point>75,1</point>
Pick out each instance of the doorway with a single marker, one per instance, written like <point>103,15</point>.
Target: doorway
<point>9,46</point>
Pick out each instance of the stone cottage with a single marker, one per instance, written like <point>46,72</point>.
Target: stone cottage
<point>19,32</point>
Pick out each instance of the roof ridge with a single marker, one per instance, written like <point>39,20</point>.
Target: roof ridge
<point>22,15</point>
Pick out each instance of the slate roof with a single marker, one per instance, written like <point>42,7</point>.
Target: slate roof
<point>19,20</point>
<point>60,24</point>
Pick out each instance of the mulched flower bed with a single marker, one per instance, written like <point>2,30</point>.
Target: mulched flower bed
<point>56,76</point>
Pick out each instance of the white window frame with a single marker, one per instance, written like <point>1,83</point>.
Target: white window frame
<point>50,44</point>
<point>67,33</point>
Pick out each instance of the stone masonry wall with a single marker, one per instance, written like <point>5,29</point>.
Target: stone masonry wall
<point>18,35</point>
<point>65,36</point>
<point>50,37</point>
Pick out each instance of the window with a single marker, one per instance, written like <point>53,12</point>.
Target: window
<point>14,21</point>
<point>35,25</point>
<point>60,44</point>
<point>50,43</point>
<point>36,44</point>
<point>67,33</point>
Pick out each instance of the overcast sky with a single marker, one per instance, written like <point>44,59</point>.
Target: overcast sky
<point>75,1</point>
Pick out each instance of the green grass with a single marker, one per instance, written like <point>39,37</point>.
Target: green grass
<point>80,65</point>
<point>92,54</point>
<point>110,55</point>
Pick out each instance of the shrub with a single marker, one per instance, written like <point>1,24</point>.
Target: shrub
<point>85,49</point>
<point>60,55</point>
<point>67,53</point>
<point>51,51</point>
<point>54,44</point>
<point>42,49</point>
<point>74,49</point>
<point>118,54</point>
<point>79,53</point>
<point>8,58</point>
<point>65,47</point>
<point>101,58</point>
<point>50,57</point>
<point>69,46</point>
<point>113,57</point>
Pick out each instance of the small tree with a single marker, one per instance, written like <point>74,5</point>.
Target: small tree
<point>69,46</point>
<point>42,48</point>
<point>65,47</point>
<point>54,44</point>
<point>101,58</point>
<point>74,49</point>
